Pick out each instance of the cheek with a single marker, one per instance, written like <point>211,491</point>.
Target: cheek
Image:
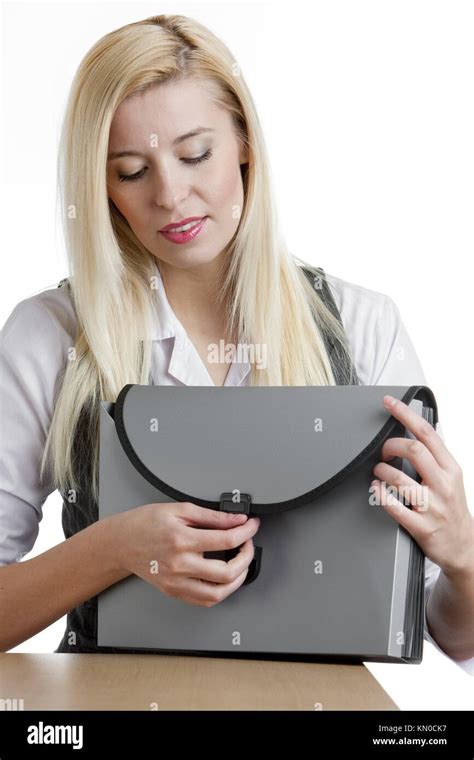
<point>224,189</point>
<point>128,203</point>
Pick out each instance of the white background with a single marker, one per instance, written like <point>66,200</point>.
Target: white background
<point>367,108</point>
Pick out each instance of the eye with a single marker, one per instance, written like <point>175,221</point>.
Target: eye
<point>198,160</point>
<point>131,177</point>
<point>192,161</point>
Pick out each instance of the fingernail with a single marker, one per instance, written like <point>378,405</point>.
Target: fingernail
<point>389,400</point>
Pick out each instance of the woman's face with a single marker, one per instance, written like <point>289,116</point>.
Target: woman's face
<point>172,177</point>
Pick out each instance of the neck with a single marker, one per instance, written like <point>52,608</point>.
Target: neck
<point>191,294</point>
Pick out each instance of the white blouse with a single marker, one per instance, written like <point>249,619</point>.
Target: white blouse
<point>33,349</point>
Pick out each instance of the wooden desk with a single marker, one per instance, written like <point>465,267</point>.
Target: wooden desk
<point>145,682</point>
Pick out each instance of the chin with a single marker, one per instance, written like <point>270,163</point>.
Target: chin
<point>187,259</point>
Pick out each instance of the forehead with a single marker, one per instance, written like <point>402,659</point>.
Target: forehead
<point>168,110</point>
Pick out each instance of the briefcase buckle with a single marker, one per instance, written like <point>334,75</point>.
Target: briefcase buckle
<point>227,503</point>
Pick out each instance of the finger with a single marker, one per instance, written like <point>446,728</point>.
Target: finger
<point>422,460</point>
<point>217,540</point>
<point>194,591</point>
<point>411,521</point>
<point>218,570</point>
<point>423,431</point>
<point>196,516</point>
<point>416,494</point>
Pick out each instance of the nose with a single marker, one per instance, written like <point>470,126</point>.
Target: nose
<point>169,189</point>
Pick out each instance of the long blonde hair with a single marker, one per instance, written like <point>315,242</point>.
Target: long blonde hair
<point>268,299</point>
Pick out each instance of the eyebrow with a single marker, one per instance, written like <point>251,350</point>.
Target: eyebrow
<point>177,141</point>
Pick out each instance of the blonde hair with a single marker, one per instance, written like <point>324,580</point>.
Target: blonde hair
<point>268,299</point>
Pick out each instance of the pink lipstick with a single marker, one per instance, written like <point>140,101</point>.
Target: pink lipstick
<point>190,229</point>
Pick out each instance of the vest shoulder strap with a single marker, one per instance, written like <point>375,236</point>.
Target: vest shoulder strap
<point>342,366</point>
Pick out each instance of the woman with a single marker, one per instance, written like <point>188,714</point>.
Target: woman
<point>161,132</point>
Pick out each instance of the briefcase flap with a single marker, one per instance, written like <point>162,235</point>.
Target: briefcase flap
<point>280,446</point>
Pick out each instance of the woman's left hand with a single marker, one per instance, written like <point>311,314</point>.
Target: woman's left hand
<point>440,521</point>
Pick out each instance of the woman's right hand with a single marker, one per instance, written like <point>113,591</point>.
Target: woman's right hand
<point>163,543</point>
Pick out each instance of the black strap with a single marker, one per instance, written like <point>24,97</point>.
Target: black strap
<point>341,363</point>
<point>422,392</point>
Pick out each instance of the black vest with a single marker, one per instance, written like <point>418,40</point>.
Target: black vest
<point>81,630</point>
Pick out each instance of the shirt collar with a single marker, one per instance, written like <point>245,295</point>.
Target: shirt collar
<point>185,362</point>
<point>167,325</point>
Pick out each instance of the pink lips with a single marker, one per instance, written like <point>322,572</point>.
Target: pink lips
<point>180,223</point>
<point>187,235</point>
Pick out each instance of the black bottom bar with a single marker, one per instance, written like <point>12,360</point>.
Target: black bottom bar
<point>433,734</point>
